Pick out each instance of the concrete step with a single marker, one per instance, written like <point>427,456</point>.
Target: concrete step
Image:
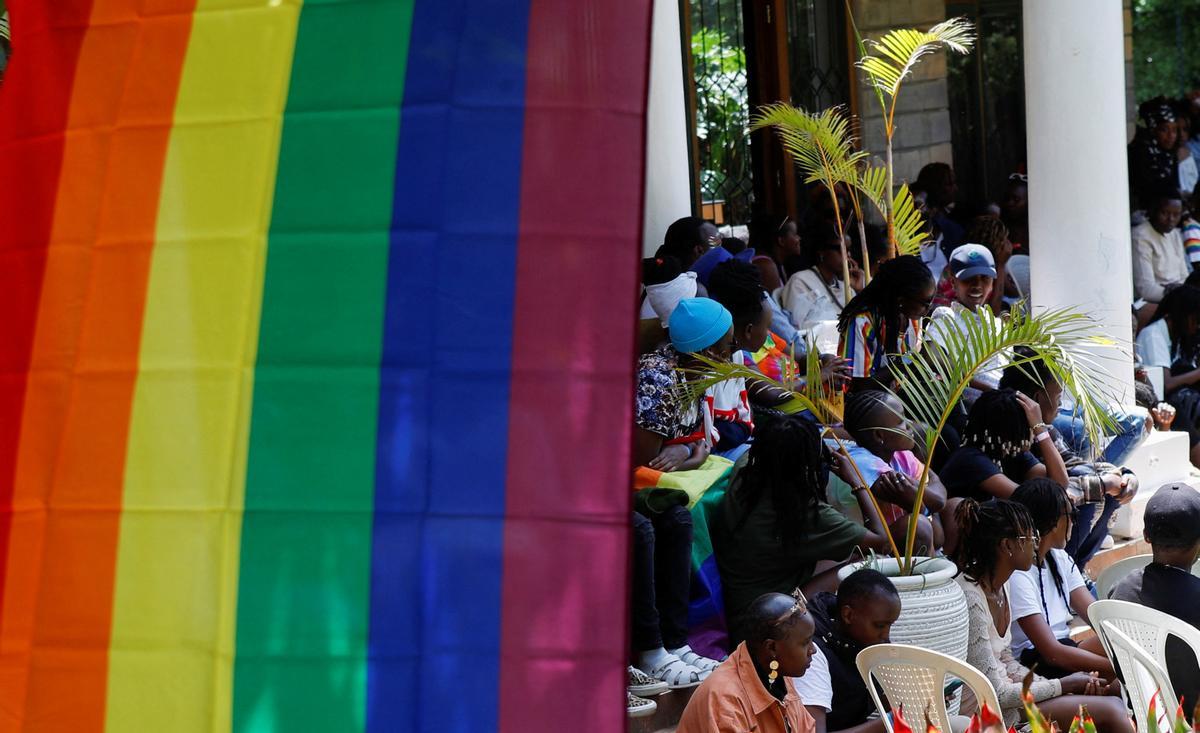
<point>1161,459</point>
<point>666,717</point>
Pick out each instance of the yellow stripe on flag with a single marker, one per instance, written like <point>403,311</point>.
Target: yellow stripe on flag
<point>172,649</point>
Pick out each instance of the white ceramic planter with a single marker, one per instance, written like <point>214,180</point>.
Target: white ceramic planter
<point>933,610</point>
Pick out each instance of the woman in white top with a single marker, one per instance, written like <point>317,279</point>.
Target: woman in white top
<point>817,294</point>
<point>998,539</point>
<point>1047,596</point>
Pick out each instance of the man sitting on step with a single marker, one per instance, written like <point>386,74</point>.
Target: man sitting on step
<point>1172,527</point>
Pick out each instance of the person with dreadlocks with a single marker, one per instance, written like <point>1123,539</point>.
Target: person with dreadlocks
<point>1152,159</point>
<point>776,240</point>
<point>774,525</point>
<point>752,689</point>
<point>1160,261</point>
<point>884,444</point>
<point>1052,592</point>
<point>860,615</point>
<point>994,457</point>
<point>1171,342</point>
<point>999,539</point>
<point>883,321</point>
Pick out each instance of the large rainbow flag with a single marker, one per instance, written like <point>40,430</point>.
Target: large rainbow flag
<point>315,367</point>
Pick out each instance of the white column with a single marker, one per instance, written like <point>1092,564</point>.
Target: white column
<point>668,178</point>
<point>1078,190</point>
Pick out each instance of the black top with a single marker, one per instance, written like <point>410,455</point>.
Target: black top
<point>1177,592</point>
<point>852,704</point>
<point>968,467</point>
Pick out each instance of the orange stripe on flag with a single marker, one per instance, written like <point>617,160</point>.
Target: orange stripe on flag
<point>71,458</point>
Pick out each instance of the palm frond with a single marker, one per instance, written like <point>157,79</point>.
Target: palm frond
<point>897,52</point>
<point>933,379</point>
<point>909,223</point>
<point>820,143</point>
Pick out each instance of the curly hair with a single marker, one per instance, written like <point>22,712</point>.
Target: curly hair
<point>988,231</point>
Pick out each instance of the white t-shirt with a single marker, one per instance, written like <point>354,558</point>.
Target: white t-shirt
<point>944,319</point>
<point>934,258</point>
<point>810,300</point>
<point>1154,345</point>
<point>816,686</point>
<point>1026,597</point>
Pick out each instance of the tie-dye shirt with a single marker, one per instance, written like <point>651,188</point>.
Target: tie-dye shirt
<point>862,344</point>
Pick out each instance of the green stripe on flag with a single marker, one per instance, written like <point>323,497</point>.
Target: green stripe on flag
<point>303,599</point>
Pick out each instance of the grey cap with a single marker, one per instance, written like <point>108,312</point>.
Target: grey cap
<point>1172,517</point>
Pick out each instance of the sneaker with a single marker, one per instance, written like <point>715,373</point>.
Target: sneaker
<point>704,664</point>
<point>639,707</point>
<point>678,674</point>
<point>644,685</point>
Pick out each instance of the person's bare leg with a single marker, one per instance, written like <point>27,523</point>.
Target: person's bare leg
<point>1107,710</point>
<point>1195,455</point>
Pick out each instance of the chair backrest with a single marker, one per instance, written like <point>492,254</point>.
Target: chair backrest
<point>1111,575</point>
<point>916,678</point>
<point>1121,626</point>
<point>1144,677</point>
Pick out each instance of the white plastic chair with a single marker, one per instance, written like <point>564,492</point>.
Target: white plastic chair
<point>916,678</point>
<point>1135,638</point>
<point>1113,574</point>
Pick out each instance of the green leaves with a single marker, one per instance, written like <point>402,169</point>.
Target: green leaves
<point>893,57</point>
<point>820,143</point>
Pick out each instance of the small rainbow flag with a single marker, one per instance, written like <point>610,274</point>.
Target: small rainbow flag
<point>315,371</point>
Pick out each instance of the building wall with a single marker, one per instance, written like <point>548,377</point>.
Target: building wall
<point>923,114</point>
<point>668,177</point>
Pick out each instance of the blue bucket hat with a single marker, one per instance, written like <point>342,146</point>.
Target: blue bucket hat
<point>698,323</point>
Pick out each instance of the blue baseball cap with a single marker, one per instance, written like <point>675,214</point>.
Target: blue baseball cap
<point>698,323</point>
<point>969,260</point>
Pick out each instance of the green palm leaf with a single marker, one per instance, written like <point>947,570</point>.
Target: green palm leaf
<point>894,55</point>
<point>933,379</point>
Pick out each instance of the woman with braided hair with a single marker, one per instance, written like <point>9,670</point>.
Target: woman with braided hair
<point>774,525</point>
<point>1047,596</point>
<point>999,539</point>
<point>883,322</point>
<point>994,457</point>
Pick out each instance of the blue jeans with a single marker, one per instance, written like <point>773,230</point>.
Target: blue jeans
<point>1131,431</point>
<point>1089,531</point>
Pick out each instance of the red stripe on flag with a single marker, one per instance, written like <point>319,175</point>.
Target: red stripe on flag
<point>83,359</point>
<point>563,617</point>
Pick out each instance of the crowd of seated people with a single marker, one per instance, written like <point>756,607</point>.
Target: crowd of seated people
<point>1016,495</point>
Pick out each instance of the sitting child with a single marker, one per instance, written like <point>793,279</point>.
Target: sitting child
<point>774,524</point>
<point>1047,596</point>
<point>670,436</point>
<point>859,616</point>
<point>876,421</point>
<point>994,458</point>
<point>1098,489</point>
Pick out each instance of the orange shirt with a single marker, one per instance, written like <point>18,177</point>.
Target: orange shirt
<point>733,700</point>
